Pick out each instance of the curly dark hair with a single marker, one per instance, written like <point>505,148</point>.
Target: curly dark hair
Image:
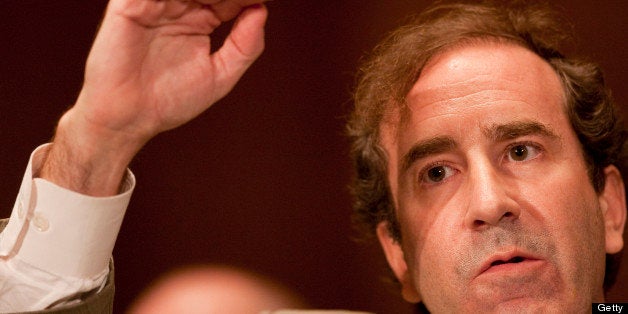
<point>395,65</point>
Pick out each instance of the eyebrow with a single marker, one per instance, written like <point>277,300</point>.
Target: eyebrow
<point>426,148</point>
<point>496,133</point>
<point>509,131</point>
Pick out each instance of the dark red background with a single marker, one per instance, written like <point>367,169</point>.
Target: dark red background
<point>259,180</point>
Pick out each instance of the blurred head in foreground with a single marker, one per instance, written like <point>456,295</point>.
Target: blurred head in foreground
<point>214,289</point>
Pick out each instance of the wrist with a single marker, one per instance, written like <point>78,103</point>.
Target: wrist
<point>88,159</point>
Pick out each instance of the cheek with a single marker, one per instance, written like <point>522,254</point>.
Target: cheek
<point>429,245</point>
<point>440,278</point>
<point>585,221</point>
<point>580,239</point>
<point>565,202</point>
<point>566,205</point>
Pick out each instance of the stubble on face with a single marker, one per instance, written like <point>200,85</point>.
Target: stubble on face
<point>529,242</point>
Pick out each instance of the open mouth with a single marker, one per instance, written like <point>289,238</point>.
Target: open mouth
<point>514,260</point>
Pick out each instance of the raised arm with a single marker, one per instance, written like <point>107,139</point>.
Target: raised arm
<point>149,70</point>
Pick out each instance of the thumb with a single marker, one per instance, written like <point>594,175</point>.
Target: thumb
<point>243,45</point>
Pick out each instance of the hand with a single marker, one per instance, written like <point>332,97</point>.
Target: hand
<point>150,70</point>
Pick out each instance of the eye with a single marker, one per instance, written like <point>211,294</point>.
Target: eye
<point>522,152</point>
<point>436,174</point>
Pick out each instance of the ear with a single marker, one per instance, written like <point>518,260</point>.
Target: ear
<point>394,256</point>
<point>613,204</point>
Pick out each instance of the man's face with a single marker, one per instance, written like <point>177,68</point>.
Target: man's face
<point>497,212</point>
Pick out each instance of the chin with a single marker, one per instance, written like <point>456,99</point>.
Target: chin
<point>529,305</point>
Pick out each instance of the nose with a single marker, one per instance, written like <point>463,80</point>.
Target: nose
<point>490,198</point>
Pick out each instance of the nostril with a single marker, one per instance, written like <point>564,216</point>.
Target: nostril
<point>478,223</point>
<point>508,214</point>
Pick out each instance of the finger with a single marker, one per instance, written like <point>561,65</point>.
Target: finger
<point>243,45</point>
<point>242,3</point>
<point>227,9</point>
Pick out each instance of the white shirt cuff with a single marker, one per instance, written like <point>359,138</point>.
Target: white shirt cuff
<point>60,231</point>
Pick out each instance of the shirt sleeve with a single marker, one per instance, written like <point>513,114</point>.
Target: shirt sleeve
<point>58,243</point>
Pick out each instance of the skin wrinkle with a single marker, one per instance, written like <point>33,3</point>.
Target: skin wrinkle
<point>445,94</point>
<point>198,20</point>
<point>473,103</point>
<point>456,111</point>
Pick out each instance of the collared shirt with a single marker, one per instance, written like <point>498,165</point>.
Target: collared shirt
<point>58,243</point>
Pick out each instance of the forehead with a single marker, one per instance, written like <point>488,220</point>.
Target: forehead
<point>487,81</point>
<point>460,69</point>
